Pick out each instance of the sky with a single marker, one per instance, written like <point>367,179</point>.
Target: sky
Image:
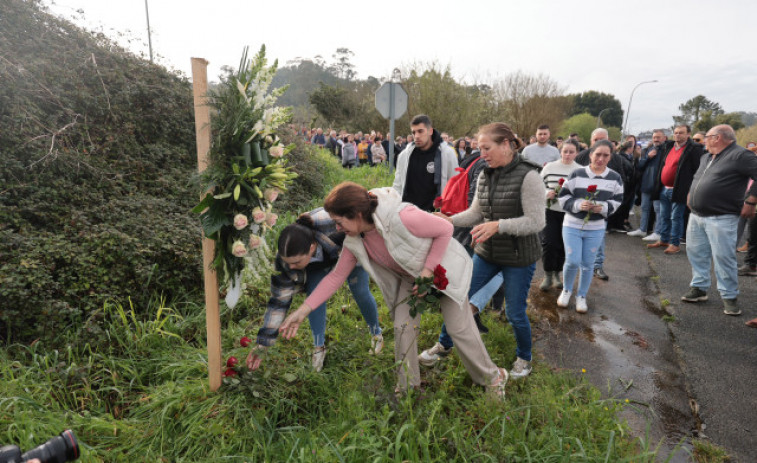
<point>690,48</point>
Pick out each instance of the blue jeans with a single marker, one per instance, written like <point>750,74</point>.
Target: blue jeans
<point>647,206</point>
<point>486,293</point>
<point>671,218</point>
<point>517,283</point>
<point>581,247</point>
<point>358,283</point>
<point>713,238</point>
<point>599,259</point>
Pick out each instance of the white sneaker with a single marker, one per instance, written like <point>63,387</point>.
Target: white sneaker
<point>654,237</point>
<point>564,299</point>
<point>521,368</point>
<point>430,356</point>
<point>377,344</point>
<point>638,232</point>
<point>319,354</point>
<point>581,306</point>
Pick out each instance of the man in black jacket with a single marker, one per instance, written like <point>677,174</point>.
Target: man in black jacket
<point>716,200</point>
<point>678,165</point>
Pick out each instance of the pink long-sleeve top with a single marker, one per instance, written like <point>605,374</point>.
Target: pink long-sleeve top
<point>418,222</point>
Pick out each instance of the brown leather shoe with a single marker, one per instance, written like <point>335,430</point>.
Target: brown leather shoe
<point>672,249</point>
<point>658,244</point>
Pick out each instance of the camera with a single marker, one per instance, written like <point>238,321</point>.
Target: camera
<point>59,449</point>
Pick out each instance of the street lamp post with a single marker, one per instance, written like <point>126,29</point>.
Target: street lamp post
<point>628,110</point>
<point>599,116</point>
<point>149,34</point>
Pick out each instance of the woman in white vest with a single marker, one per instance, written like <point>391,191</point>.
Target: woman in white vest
<point>396,242</point>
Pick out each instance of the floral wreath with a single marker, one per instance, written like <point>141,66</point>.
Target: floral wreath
<point>246,172</point>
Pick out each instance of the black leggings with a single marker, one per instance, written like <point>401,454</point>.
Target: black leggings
<point>552,247</point>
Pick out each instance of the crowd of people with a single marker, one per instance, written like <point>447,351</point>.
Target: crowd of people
<point>549,201</point>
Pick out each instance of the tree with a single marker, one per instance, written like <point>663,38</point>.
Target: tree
<point>527,101</point>
<point>582,124</point>
<point>452,107</point>
<point>747,134</point>
<point>709,120</point>
<point>342,67</point>
<point>594,103</point>
<point>333,103</point>
<point>692,110</point>
<point>748,118</point>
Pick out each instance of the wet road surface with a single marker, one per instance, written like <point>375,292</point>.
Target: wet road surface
<point>688,371</point>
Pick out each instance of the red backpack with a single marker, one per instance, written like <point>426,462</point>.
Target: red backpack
<point>455,195</point>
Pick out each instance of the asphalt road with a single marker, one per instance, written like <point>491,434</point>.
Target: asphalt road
<point>688,370</point>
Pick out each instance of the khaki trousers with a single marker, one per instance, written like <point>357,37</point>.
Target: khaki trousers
<point>460,326</point>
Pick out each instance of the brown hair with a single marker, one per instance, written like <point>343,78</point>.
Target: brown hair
<point>499,132</point>
<point>348,199</point>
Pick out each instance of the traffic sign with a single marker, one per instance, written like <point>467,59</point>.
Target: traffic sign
<point>387,94</point>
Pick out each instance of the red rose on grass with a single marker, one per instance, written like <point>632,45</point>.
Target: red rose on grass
<point>230,372</point>
<point>232,362</point>
<point>591,189</point>
<point>245,341</point>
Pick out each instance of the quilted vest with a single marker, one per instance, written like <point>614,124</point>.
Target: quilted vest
<point>409,251</point>
<point>499,198</point>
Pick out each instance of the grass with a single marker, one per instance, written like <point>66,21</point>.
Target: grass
<point>135,389</point>
<point>707,452</point>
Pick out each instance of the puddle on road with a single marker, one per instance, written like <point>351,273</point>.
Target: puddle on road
<point>653,382</point>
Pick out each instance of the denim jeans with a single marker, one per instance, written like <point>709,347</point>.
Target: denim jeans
<point>647,206</point>
<point>671,218</point>
<point>493,291</point>
<point>599,259</point>
<point>581,246</point>
<point>517,283</point>
<point>358,284</point>
<point>713,238</point>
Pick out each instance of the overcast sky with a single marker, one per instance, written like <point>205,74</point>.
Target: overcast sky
<point>690,47</point>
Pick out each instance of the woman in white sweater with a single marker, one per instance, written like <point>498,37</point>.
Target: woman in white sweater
<point>553,250</point>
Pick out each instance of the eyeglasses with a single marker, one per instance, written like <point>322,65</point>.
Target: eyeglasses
<point>713,135</point>
<point>698,140</point>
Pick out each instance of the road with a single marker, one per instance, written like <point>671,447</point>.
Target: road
<point>688,370</point>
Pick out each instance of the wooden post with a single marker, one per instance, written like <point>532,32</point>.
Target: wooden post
<point>212,310</point>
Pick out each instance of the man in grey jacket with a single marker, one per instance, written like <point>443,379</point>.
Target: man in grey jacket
<point>716,200</point>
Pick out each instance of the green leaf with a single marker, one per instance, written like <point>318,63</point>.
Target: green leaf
<point>205,203</point>
<point>289,377</point>
<point>237,190</point>
<point>214,218</point>
<point>222,196</point>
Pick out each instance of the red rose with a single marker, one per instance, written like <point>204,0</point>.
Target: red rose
<point>230,372</point>
<point>440,271</point>
<point>561,181</point>
<point>441,282</point>
<point>231,362</point>
<point>245,341</point>
<point>591,189</point>
<point>438,202</point>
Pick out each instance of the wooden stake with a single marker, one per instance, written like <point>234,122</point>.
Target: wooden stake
<point>212,310</point>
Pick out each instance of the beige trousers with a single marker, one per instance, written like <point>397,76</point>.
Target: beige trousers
<point>460,326</point>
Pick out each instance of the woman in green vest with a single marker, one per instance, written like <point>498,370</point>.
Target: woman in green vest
<point>507,214</point>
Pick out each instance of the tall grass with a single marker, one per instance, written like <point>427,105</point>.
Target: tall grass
<point>135,389</point>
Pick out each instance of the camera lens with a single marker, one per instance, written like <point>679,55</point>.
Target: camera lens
<point>57,450</point>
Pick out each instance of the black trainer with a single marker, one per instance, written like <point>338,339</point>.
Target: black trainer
<point>600,273</point>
